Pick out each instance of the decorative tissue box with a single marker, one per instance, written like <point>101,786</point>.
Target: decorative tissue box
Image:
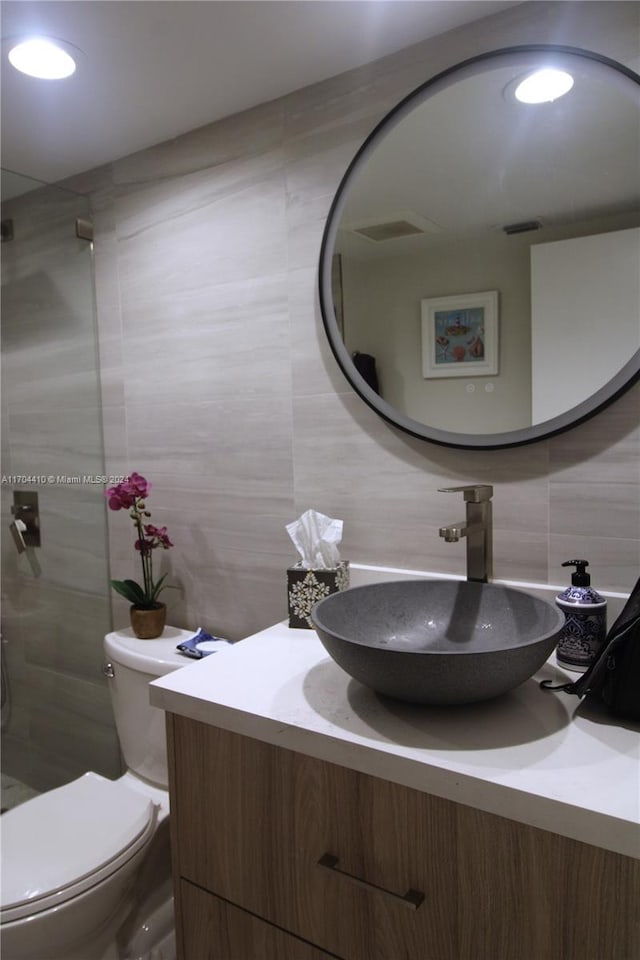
<point>306,587</point>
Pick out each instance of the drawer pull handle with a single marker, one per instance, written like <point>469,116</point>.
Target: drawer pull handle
<point>412,898</point>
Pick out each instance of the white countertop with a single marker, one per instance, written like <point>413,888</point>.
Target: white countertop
<point>538,757</point>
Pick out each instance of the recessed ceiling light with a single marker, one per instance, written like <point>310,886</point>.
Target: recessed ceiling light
<point>543,86</point>
<point>43,58</point>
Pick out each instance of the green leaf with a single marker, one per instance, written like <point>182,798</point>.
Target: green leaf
<point>131,591</point>
<point>157,587</point>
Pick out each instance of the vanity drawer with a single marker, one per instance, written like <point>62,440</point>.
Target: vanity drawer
<point>324,852</point>
<point>216,930</point>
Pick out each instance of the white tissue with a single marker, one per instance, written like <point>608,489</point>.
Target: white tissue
<point>316,537</point>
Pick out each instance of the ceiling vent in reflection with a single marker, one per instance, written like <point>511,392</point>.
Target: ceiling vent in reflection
<point>525,226</point>
<point>393,228</point>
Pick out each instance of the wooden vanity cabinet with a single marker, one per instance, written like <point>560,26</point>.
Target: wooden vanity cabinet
<point>278,855</point>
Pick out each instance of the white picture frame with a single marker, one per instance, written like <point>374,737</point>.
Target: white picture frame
<point>460,335</point>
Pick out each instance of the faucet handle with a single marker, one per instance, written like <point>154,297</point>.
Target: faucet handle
<point>473,492</point>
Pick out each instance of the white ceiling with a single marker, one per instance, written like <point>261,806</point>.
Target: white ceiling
<point>154,69</point>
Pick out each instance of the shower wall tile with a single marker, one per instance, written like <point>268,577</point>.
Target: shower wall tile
<point>59,700</point>
<point>68,379</point>
<point>61,722</point>
<point>63,630</point>
<point>112,380</point>
<point>107,294</point>
<point>105,257</point>
<point>5,448</point>
<point>44,221</point>
<point>34,301</point>
<point>72,522</point>
<point>232,402</point>
<point>48,442</point>
<point>18,608</point>
<point>114,435</point>
<point>62,727</point>
<point>17,759</point>
<point>48,770</point>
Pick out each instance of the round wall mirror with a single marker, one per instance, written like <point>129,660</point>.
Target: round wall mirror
<point>480,266</point>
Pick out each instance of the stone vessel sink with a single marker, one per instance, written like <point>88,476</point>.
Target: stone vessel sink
<point>438,641</point>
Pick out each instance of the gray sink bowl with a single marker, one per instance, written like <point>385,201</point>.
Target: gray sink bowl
<point>437,641</point>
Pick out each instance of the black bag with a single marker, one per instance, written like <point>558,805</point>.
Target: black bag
<point>614,676</point>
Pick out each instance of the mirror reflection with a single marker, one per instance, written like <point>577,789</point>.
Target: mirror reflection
<point>480,274</point>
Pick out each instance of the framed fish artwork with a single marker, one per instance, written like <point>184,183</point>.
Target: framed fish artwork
<point>460,335</point>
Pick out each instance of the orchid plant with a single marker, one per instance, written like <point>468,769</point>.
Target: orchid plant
<point>132,495</point>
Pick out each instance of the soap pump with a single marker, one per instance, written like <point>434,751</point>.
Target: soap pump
<point>585,626</point>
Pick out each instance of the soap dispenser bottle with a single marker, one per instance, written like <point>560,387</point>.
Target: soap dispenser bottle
<point>585,626</point>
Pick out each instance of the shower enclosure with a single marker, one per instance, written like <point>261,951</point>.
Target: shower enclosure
<point>56,714</point>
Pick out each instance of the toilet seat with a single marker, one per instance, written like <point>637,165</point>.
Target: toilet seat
<point>79,833</point>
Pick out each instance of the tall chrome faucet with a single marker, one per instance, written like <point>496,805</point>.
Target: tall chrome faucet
<point>477,528</point>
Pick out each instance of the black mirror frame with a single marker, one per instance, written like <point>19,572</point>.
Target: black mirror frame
<point>621,382</point>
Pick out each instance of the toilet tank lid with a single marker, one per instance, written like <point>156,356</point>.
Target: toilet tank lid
<point>68,834</point>
<point>155,657</point>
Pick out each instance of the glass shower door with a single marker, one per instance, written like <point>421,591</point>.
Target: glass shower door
<point>56,720</point>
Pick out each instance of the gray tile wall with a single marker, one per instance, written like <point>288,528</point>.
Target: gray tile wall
<point>219,387</point>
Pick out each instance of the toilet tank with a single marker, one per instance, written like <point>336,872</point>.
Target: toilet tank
<point>131,664</point>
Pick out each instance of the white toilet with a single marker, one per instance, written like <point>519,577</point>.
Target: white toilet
<point>86,870</point>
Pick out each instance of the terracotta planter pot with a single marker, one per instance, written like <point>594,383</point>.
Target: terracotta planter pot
<point>148,624</point>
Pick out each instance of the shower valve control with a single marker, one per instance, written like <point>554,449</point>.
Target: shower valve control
<point>26,514</point>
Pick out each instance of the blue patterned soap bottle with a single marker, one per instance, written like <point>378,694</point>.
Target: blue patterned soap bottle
<point>585,626</point>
